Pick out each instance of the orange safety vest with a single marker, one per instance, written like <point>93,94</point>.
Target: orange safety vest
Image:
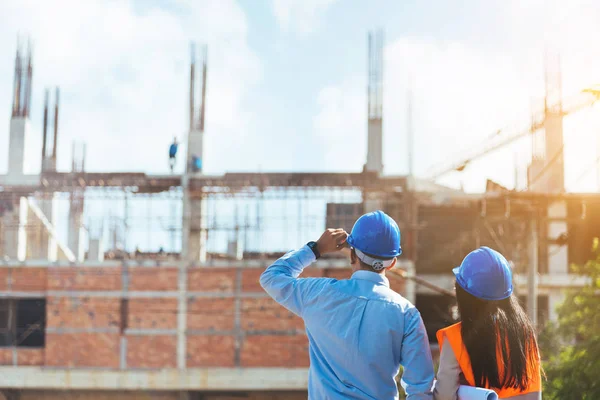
<point>452,333</point>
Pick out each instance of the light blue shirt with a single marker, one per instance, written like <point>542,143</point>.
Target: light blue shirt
<point>359,330</point>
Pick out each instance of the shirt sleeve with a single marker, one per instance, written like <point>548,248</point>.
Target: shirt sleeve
<point>417,379</point>
<point>281,281</point>
<point>448,376</point>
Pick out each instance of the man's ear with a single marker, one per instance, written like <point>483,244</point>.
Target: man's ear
<point>353,257</point>
<point>393,264</point>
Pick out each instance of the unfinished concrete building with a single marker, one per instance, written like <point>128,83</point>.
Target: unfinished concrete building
<point>194,323</point>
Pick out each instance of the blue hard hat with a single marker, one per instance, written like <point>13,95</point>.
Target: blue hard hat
<point>485,274</point>
<point>377,234</point>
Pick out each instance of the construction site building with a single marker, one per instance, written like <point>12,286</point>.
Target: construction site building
<point>78,320</point>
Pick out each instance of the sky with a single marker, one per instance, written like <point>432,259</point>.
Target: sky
<point>287,81</point>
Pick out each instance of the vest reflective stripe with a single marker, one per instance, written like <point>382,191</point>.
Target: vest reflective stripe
<point>452,333</point>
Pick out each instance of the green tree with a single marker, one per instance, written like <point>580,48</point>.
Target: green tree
<point>572,349</point>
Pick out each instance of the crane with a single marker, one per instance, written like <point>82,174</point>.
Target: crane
<point>508,135</point>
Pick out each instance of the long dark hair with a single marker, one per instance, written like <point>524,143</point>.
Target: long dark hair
<point>492,329</point>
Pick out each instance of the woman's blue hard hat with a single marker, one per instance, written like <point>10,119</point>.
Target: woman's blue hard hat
<point>376,234</point>
<point>485,274</point>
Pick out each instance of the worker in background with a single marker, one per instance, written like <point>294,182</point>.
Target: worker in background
<point>173,153</point>
<point>360,331</point>
<point>495,345</point>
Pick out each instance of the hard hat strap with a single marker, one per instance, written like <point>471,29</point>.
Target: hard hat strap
<point>374,263</point>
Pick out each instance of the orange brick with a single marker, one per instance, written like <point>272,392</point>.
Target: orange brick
<point>251,280</point>
<point>211,314</point>
<point>83,350</point>
<point>153,279</point>
<point>30,357</point>
<point>151,351</point>
<point>4,278</point>
<point>152,314</point>
<point>275,351</point>
<point>29,279</point>
<point>211,279</point>
<point>83,312</point>
<point>266,314</point>
<point>6,356</point>
<point>210,351</point>
<point>84,278</point>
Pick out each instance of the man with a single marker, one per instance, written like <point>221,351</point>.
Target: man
<point>359,330</point>
<point>173,153</point>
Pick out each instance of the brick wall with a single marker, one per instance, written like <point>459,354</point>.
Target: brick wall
<point>139,395</point>
<point>82,350</point>
<point>95,395</point>
<point>155,351</point>
<point>152,314</point>
<point>211,351</point>
<point>82,312</point>
<point>153,279</point>
<point>115,316</point>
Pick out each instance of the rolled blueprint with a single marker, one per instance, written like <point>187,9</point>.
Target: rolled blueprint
<point>475,393</point>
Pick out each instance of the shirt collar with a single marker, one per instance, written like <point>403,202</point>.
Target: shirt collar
<point>371,277</point>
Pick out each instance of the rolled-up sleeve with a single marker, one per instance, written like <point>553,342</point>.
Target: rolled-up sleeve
<point>417,379</point>
<point>281,281</point>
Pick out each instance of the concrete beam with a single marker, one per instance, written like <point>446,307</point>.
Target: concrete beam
<point>546,282</point>
<point>63,331</point>
<point>165,379</point>
<point>151,332</point>
<point>246,264</point>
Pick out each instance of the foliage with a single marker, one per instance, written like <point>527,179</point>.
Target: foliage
<point>572,349</point>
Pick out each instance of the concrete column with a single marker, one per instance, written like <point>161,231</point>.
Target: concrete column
<point>15,232</point>
<point>96,250</point>
<point>195,151</point>
<point>76,233</point>
<point>182,316</point>
<point>10,231</point>
<point>235,247</point>
<point>194,205</point>
<point>558,256</point>
<point>22,232</point>
<point>375,146</point>
<point>197,230</point>
<point>124,313</point>
<point>19,126</point>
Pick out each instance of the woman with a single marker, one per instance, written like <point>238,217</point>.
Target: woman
<point>494,346</point>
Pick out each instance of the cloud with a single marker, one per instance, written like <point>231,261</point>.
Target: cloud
<point>301,16</point>
<point>340,126</point>
<point>458,94</point>
<point>123,70</point>
<point>463,93</point>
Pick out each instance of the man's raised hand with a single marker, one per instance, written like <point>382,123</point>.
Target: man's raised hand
<point>332,240</point>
